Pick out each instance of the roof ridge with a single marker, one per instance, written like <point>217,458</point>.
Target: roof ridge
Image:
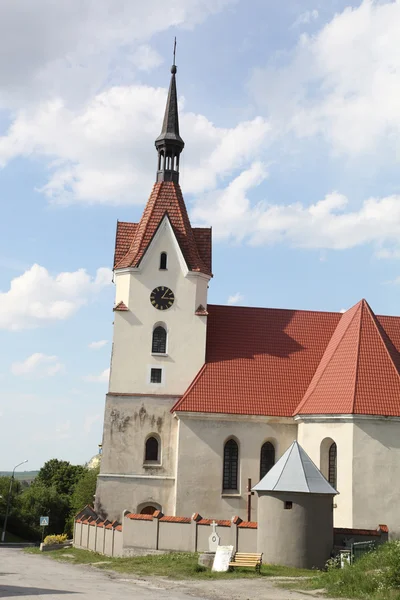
<point>302,310</point>
<point>284,466</point>
<point>305,397</point>
<point>376,322</point>
<point>357,357</point>
<point>302,464</point>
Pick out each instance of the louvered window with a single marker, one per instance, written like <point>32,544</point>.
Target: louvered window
<point>159,345</point>
<point>332,466</point>
<point>267,458</point>
<point>231,465</point>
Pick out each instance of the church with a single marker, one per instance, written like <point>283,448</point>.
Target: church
<point>203,398</point>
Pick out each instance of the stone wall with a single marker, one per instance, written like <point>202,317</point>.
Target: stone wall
<point>184,534</point>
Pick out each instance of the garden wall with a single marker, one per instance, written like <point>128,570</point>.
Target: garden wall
<point>188,534</point>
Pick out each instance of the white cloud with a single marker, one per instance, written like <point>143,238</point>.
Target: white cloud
<point>342,83</point>
<point>323,225</point>
<point>97,345</point>
<point>103,153</point>
<point>306,17</point>
<point>146,58</point>
<point>343,310</point>
<point>36,297</point>
<point>38,365</point>
<point>102,378</point>
<point>68,49</point>
<point>235,299</point>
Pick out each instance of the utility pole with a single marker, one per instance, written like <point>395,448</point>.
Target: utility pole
<point>3,535</point>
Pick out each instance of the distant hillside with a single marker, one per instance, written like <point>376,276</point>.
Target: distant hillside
<point>28,476</point>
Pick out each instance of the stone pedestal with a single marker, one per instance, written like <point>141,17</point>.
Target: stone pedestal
<point>206,559</point>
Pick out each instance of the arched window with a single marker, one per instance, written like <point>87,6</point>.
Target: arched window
<point>231,465</point>
<point>267,458</point>
<point>332,465</point>
<point>163,261</point>
<point>152,449</point>
<point>159,344</point>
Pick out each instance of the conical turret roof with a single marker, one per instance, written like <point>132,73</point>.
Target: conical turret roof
<point>359,372</point>
<point>295,472</point>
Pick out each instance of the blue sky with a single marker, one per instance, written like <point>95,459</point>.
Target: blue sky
<point>290,116</point>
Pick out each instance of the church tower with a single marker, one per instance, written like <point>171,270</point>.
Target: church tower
<point>162,267</point>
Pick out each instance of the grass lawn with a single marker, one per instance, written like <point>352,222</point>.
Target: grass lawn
<point>176,565</point>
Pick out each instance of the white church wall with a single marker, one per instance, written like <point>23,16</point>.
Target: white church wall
<point>376,474</point>
<point>311,434</point>
<point>200,461</point>
<point>128,422</point>
<point>132,357</point>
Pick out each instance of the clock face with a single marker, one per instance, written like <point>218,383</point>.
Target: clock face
<point>162,297</point>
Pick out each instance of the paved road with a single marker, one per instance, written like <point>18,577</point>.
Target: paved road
<point>25,575</point>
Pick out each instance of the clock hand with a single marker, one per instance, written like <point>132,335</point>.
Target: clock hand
<point>163,296</point>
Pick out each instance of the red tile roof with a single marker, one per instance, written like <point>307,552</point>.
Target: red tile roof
<point>165,519</point>
<point>248,525</point>
<point>132,239</point>
<point>278,362</point>
<point>259,361</point>
<point>220,523</point>
<point>360,370</point>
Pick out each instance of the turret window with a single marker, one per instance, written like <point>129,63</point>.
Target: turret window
<point>163,261</point>
<point>159,343</point>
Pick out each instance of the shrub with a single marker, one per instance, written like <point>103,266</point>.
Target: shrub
<point>55,539</point>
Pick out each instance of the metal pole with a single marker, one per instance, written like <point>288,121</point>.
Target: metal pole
<point>3,535</point>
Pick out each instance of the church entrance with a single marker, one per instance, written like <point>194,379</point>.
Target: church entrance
<point>148,510</point>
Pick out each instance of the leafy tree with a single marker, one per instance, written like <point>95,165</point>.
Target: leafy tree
<point>83,494</point>
<point>59,474</point>
<point>84,491</point>
<point>41,500</point>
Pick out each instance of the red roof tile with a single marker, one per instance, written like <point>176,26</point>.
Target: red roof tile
<point>201,311</point>
<point>123,239</point>
<point>278,362</point>
<point>165,199</point>
<point>248,525</point>
<point>220,523</point>
<point>360,370</point>
<point>137,517</point>
<point>175,519</point>
<point>259,361</point>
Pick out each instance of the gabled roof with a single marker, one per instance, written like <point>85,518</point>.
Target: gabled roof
<point>259,361</point>
<point>274,362</point>
<point>165,200</point>
<point>295,472</point>
<point>360,370</point>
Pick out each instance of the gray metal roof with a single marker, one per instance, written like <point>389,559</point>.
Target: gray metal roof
<point>295,472</point>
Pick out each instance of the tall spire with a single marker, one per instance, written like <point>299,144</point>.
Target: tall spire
<point>169,143</point>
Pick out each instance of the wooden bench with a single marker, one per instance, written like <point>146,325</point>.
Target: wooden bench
<point>247,559</point>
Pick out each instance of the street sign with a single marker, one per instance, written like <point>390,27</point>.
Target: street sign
<point>44,521</point>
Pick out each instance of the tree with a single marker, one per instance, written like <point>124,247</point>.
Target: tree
<point>41,500</point>
<point>84,492</point>
<point>59,474</point>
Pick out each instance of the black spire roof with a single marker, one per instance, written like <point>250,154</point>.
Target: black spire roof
<point>169,143</point>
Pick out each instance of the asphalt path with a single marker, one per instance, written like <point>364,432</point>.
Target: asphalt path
<point>25,575</point>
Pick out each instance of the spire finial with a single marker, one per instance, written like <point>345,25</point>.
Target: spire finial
<point>173,68</point>
<point>169,143</point>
